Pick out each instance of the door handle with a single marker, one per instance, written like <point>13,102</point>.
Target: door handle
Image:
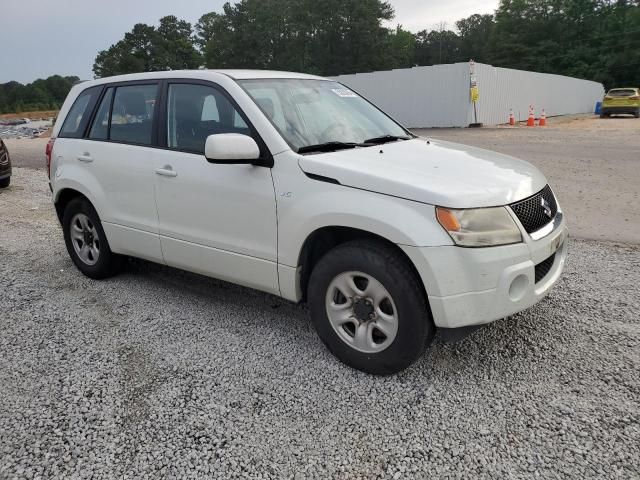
<point>85,157</point>
<point>166,171</point>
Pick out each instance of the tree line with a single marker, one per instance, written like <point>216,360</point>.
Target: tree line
<point>592,39</point>
<point>47,94</point>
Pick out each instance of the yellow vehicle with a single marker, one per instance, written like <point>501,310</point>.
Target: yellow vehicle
<point>621,100</point>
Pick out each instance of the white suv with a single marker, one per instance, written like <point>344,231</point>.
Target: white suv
<point>297,186</point>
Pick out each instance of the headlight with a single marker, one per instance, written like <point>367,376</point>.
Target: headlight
<point>479,227</point>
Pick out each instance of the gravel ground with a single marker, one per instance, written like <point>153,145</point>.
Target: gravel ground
<point>27,152</point>
<point>162,374</point>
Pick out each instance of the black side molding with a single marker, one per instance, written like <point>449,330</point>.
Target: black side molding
<point>321,178</point>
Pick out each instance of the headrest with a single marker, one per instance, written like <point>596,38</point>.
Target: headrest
<point>132,102</point>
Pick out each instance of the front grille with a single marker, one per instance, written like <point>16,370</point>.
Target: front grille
<point>542,269</point>
<point>532,211</point>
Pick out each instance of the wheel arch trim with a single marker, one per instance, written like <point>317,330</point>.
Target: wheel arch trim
<point>294,280</point>
<point>63,195</point>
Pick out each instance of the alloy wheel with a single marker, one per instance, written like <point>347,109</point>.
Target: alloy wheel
<point>362,312</point>
<point>85,239</point>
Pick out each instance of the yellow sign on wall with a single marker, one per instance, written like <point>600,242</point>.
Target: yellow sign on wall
<point>475,94</point>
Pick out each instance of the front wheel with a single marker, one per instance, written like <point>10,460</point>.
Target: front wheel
<point>86,241</point>
<point>5,182</point>
<point>369,307</point>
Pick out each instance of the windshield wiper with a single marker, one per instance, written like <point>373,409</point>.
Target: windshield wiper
<point>386,139</point>
<point>333,146</point>
<point>328,147</point>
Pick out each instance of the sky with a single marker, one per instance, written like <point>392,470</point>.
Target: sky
<point>38,39</point>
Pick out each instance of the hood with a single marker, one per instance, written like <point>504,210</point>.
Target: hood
<point>436,172</point>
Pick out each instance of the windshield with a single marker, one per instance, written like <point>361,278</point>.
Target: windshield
<point>621,93</point>
<point>317,112</point>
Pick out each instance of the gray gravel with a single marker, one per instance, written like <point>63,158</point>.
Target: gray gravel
<point>162,374</point>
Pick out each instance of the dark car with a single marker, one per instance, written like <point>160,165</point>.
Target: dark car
<point>5,166</point>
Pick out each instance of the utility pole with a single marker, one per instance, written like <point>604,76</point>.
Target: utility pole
<point>441,27</point>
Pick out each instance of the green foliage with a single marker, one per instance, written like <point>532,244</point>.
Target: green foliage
<point>475,32</point>
<point>402,48</point>
<point>46,94</point>
<point>328,37</point>
<point>593,39</point>
<point>148,49</point>
<point>438,46</point>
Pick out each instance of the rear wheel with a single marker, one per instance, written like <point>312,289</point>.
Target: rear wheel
<point>637,114</point>
<point>86,241</point>
<point>4,183</point>
<point>369,307</point>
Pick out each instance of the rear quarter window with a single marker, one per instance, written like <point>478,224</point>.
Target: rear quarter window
<point>76,120</point>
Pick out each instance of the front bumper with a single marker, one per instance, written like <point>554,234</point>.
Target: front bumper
<point>473,286</point>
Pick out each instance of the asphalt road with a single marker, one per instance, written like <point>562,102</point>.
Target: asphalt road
<point>27,152</point>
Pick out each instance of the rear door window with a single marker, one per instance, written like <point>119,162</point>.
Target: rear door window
<point>132,114</point>
<point>75,124</point>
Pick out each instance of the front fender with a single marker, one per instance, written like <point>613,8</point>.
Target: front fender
<point>322,204</point>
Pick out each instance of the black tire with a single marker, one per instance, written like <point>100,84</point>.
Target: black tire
<point>108,263</point>
<point>4,183</point>
<point>415,326</point>
<point>637,114</point>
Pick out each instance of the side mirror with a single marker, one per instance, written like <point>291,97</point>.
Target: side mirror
<point>231,148</point>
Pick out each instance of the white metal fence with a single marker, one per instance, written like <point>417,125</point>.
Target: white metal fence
<point>438,96</point>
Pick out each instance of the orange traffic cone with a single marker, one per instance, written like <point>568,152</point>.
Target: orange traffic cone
<point>512,119</point>
<point>543,119</point>
<point>531,121</point>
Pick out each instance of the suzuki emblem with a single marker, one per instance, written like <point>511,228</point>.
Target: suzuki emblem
<point>545,205</point>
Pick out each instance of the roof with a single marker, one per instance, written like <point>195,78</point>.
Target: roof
<point>203,74</point>
<point>253,74</point>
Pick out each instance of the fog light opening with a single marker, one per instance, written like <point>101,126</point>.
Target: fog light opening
<point>518,287</point>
